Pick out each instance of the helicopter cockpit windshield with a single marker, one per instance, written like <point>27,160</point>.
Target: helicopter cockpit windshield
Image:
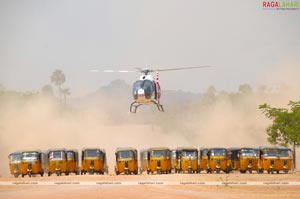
<point>143,87</point>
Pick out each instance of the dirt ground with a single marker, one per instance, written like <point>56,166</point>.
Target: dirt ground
<point>176,186</point>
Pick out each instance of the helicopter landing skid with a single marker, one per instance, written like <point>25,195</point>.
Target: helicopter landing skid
<point>135,105</point>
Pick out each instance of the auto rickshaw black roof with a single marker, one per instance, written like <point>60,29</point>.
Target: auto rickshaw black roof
<point>187,149</point>
<point>57,149</point>
<point>126,149</point>
<point>93,148</point>
<point>159,148</point>
<point>32,151</point>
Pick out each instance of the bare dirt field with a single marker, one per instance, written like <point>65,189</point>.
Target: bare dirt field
<point>154,186</point>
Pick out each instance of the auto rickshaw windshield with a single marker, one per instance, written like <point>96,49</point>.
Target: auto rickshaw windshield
<point>70,155</point>
<point>125,154</point>
<point>158,153</point>
<point>57,155</point>
<point>29,156</point>
<point>189,153</point>
<point>271,152</point>
<point>15,158</point>
<point>248,152</point>
<point>218,152</point>
<point>92,153</point>
<point>285,153</point>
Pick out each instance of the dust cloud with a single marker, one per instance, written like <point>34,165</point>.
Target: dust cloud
<point>217,118</point>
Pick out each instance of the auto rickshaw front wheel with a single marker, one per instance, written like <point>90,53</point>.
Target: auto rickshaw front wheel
<point>58,173</point>
<point>16,175</point>
<point>218,171</point>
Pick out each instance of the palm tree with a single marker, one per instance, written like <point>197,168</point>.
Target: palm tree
<point>65,92</point>
<point>58,78</point>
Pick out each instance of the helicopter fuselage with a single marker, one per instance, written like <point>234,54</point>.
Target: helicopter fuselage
<point>146,91</point>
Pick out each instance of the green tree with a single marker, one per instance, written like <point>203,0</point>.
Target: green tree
<point>47,90</point>
<point>285,127</point>
<point>58,78</point>
<point>245,89</point>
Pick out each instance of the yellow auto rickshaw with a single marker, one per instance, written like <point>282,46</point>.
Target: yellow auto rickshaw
<point>57,161</point>
<point>285,159</point>
<point>248,160</point>
<point>203,159</point>
<point>144,157</point>
<point>269,159</point>
<point>233,158</point>
<point>32,163</point>
<point>93,160</point>
<point>15,163</point>
<point>159,160</point>
<point>126,161</point>
<point>72,161</point>
<point>187,160</point>
<point>217,160</point>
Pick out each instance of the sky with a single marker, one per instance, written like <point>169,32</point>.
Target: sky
<point>241,41</point>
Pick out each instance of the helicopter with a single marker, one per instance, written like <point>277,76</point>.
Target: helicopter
<point>147,89</point>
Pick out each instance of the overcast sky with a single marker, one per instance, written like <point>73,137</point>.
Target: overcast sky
<point>237,38</point>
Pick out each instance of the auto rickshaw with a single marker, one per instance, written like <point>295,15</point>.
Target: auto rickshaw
<point>57,161</point>
<point>217,160</point>
<point>203,159</point>
<point>269,159</point>
<point>15,163</point>
<point>187,160</point>
<point>144,157</point>
<point>126,161</point>
<point>159,160</point>
<point>286,160</point>
<point>93,160</point>
<point>32,163</point>
<point>233,158</point>
<point>72,161</point>
<point>248,158</point>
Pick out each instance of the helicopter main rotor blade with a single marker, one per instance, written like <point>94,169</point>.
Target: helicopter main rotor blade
<point>183,68</point>
<point>112,71</point>
<point>119,71</point>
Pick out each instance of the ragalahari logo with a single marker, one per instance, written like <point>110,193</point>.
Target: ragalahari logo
<point>281,5</point>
